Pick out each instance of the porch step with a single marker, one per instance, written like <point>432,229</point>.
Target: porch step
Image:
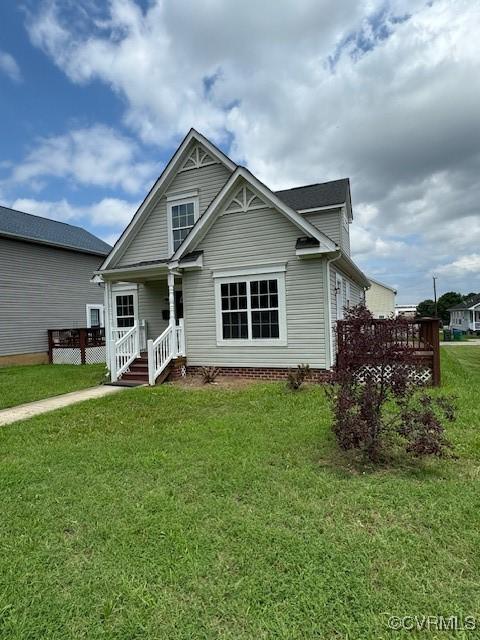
<point>139,367</point>
<point>138,373</point>
<point>138,376</point>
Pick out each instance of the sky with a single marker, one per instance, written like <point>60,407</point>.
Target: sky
<point>96,96</point>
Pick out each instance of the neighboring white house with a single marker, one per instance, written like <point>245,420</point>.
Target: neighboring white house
<point>219,269</point>
<point>466,315</point>
<point>407,310</point>
<point>380,299</point>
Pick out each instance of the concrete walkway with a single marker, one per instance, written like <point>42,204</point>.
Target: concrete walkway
<point>461,343</point>
<point>24,411</point>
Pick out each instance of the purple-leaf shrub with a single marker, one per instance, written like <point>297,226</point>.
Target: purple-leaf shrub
<point>376,405</point>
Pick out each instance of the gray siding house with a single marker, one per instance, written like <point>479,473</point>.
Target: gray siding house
<point>215,269</point>
<point>466,315</point>
<point>45,272</point>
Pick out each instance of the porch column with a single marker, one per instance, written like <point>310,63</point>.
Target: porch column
<point>107,321</point>
<point>171,304</point>
<point>171,297</point>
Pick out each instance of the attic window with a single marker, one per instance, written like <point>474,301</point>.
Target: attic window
<point>182,215</point>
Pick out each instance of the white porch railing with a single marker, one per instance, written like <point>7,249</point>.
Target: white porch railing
<point>163,349</point>
<point>126,348</point>
<point>119,333</point>
<point>180,338</point>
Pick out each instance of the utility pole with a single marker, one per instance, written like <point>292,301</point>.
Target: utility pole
<point>435,295</point>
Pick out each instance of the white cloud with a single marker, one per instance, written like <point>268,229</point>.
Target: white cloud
<point>386,93</point>
<point>97,155</point>
<point>9,66</point>
<point>465,265</point>
<point>364,241</point>
<point>109,212</point>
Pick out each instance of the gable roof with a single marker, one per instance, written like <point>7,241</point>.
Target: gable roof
<point>292,202</point>
<point>172,166</point>
<point>466,304</point>
<point>204,222</point>
<point>382,284</point>
<point>317,196</point>
<point>25,226</point>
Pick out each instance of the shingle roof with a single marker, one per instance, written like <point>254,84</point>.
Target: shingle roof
<point>466,304</point>
<point>37,229</point>
<point>316,195</point>
<point>143,263</point>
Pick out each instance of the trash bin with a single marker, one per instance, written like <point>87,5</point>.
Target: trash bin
<point>447,335</point>
<point>457,335</point>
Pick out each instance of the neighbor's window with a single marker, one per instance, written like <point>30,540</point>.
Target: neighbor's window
<point>182,216</point>
<point>252,308</point>
<point>94,315</point>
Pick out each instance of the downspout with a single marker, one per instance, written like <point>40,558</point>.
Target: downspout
<point>328,316</point>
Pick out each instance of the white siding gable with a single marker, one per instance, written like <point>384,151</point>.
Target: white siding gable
<point>151,241</point>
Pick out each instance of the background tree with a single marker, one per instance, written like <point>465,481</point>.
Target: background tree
<point>426,309</point>
<point>445,301</point>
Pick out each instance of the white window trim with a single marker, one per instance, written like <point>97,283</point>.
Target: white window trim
<point>100,307</point>
<point>173,201</point>
<point>340,283</point>
<point>260,274</point>
<point>339,295</point>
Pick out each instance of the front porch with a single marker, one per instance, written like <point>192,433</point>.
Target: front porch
<point>143,324</point>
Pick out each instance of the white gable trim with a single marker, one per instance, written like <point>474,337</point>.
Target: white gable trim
<point>204,223</point>
<point>170,169</point>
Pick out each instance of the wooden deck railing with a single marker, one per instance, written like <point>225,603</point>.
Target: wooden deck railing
<point>421,336</point>
<point>79,338</point>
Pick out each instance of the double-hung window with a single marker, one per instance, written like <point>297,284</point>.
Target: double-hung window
<point>182,215</point>
<point>251,309</point>
<point>343,295</point>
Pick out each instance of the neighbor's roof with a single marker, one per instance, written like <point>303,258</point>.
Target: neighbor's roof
<point>326,194</point>
<point>466,304</point>
<point>25,226</point>
<point>382,284</point>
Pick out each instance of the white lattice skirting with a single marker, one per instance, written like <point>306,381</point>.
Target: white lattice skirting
<point>93,355</point>
<point>419,374</point>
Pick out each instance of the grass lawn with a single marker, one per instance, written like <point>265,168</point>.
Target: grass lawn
<point>173,513</point>
<point>33,382</point>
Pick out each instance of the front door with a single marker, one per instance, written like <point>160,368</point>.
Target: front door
<point>125,309</point>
